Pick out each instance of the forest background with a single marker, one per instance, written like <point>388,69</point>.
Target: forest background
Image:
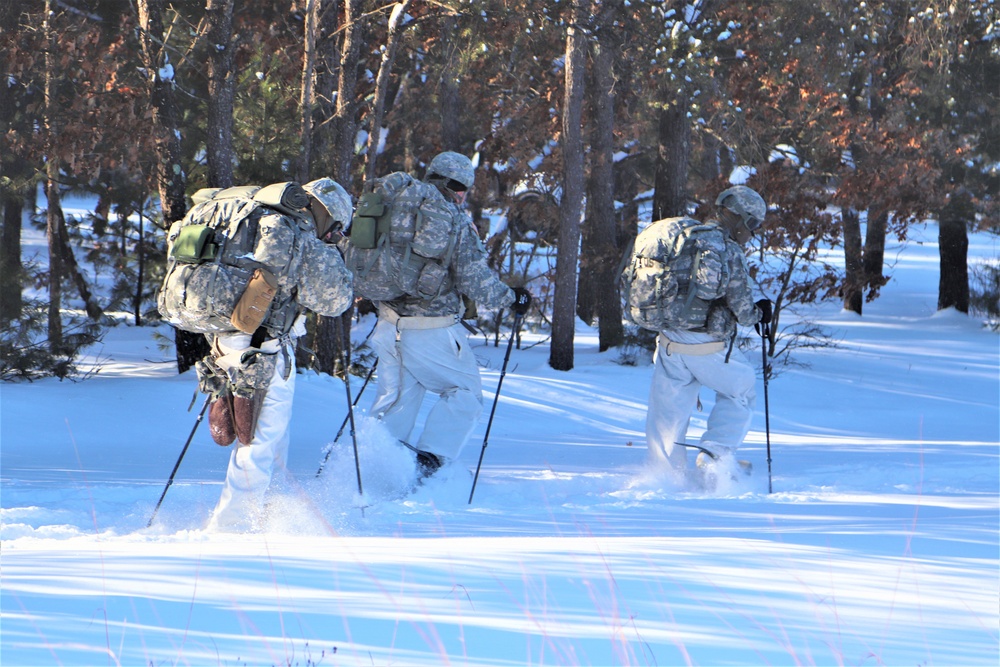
<point>853,118</point>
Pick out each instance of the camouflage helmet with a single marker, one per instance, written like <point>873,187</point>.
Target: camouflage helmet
<point>744,202</point>
<point>454,166</point>
<point>335,200</point>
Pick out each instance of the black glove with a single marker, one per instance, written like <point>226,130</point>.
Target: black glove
<point>765,310</point>
<point>522,299</point>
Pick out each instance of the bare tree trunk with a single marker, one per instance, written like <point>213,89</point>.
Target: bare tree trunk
<point>674,149</point>
<point>449,97</point>
<point>170,178</point>
<point>564,300</point>
<point>307,98</point>
<point>600,245</point>
<point>953,247</point>
<point>221,93</point>
<point>326,75</point>
<point>14,175</point>
<point>854,278</point>
<point>52,219</point>
<point>327,342</point>
<point>55,329</point>
<point>382,84</point>
<point>140,251</point>
<point>11,269</point>
<point>874,251</point>
<point>68,260</point>
<point>346,122</point>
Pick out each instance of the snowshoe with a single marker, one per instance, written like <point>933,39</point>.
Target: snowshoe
<point>707,461</point>
<point>427,464</point>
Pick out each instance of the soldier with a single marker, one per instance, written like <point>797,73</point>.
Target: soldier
<point>310,275</point>
<point>693,354</point>
<point>421,344</point>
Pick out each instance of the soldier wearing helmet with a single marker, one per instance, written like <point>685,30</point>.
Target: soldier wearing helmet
<point>741,212</point>
<point>688,359</point>
<point>453,174</point>
<point>314,274</point>
<point>421,343</point>
<point>330,206</point>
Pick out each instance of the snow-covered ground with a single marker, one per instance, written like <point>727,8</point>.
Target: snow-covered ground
<point>878,545</point>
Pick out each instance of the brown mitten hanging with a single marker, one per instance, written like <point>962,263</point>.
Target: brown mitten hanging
<point>246,410</point>
<point>220,420</point>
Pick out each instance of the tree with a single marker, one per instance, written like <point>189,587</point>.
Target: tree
<point>958,73</point>
<point>601,248</point>
<point>307,99</point>
<point>382,84</point>
<point>15,176</point>
<point>170,175</point>
<point>571,204</point>
<point>221,93</point>
<point>344,120</point>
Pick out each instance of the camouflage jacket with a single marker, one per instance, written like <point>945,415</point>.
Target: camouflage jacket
<point>469,275</point>
<point>736,304</point>
<point>309,271</point>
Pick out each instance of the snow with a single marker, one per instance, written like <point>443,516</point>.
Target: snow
<point>878,545</point>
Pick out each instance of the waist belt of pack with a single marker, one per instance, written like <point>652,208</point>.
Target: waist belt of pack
<point>417,322</point>
<point>693,349</point>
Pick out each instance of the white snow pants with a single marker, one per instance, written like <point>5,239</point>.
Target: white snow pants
<point>677,379</point>
<point>251,467</point>
<point>439,361</point>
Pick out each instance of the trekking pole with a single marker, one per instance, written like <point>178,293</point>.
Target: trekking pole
<point>496,397</point>
<point>765,331</point>
<point>345,361</point>
<point>343,424</point>
<point>177,465</point>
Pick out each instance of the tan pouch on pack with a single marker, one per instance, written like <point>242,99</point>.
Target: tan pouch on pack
<point>252,307</point>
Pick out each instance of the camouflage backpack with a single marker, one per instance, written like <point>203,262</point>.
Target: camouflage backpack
<point>219,279</point>
<point>677,268</point>
<point>401,241</point>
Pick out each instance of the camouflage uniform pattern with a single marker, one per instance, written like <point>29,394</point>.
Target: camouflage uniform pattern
<point>432,255</point>
<point>737,304</point>
<point>454,166</point>
<point>745,202</point>
<point>666,290</point>
<point>200,297</point>
<point>334,198</point>
<point>468,274</point>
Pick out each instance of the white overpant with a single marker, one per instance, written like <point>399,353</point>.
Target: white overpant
<point>251,467</point>
<point>383,341</point>
<point>673,395</point>
<point>439,361</point>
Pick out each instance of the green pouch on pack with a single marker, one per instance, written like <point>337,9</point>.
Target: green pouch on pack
<point>371,205</point>
<point>365,224</point>
<point>363,234</point>
<point>194,243</point>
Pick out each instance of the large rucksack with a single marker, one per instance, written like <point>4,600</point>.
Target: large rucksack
<point>402,239</point>
<point>219,278</point>
<point>676,270</point>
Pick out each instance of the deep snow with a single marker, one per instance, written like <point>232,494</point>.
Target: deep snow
<point>879,544</point>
